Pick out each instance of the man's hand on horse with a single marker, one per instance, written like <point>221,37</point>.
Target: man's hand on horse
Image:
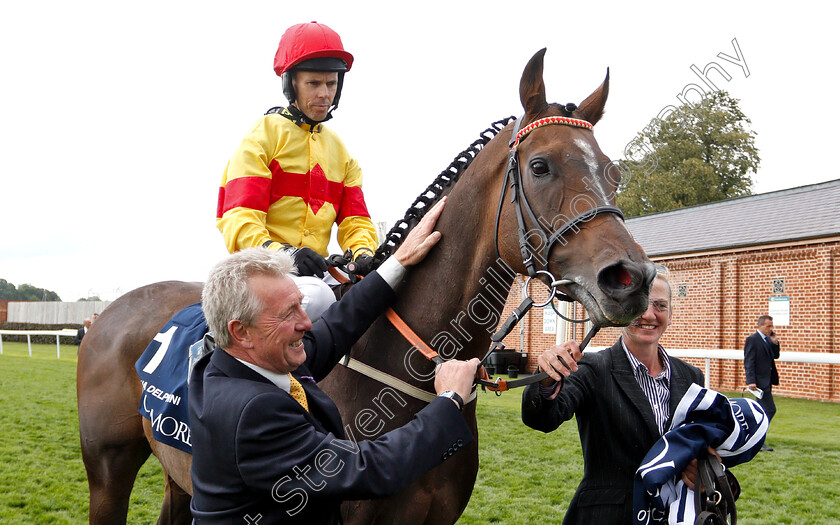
<point>457,376</point>
<point>308,262</point>
<point>420,240</point>
<point>560,361</point>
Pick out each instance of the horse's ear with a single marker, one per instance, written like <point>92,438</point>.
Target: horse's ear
<point>592,109</point>
<point>532,87</point>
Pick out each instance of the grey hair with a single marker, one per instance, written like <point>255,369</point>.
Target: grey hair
<point>227,296</point>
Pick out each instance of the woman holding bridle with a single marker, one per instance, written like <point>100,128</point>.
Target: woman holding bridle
<point>623,399</point>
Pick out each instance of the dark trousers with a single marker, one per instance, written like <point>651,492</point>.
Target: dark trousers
<point>767,402</point>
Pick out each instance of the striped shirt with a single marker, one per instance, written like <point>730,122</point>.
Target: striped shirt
<point>657,389</point>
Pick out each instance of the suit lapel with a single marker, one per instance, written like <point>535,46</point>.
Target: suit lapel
<point>319,404</point>
<point>765,344</point>
<point>623,375</point>
<point>762,343</point>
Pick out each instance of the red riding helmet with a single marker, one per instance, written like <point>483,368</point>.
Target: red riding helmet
<point>306,41</point>
<point>310,47</point>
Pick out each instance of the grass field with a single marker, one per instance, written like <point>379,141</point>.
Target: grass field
<point>525,477</point>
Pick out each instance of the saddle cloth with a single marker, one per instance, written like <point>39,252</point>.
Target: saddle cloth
<point>164,370</point>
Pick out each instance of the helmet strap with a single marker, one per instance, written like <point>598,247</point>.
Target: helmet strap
<point>301,116</point>
<point>297,116</point>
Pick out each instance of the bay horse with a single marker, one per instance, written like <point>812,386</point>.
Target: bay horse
<point>452,300</point>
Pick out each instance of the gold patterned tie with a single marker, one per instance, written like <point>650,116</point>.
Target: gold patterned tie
<point>297,392</point>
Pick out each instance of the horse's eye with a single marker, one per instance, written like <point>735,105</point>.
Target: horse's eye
<point>539,167</point>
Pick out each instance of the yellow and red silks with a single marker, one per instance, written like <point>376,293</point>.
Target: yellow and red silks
<point>288,183</point>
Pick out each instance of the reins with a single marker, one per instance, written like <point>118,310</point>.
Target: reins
<point>401,326</point>
<point>410,336</point>
<point>714,502</point>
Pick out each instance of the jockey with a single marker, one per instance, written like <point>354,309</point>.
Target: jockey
<point>291,177</point>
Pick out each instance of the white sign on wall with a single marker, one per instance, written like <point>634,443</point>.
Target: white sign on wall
<point>549,321</point>
<point>779,310</point>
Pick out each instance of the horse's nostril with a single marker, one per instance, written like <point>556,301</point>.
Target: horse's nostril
<point>620,280</point>
<point>624,277</point>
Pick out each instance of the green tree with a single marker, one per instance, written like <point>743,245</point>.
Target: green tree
<point>25,292</point>
<point>701,152</point>
<point>7,290</point>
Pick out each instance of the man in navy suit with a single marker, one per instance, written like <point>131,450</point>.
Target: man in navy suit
<point>623,399</point>
<point>761,349</point>
<point>269,445</point>
<point>80,333</point>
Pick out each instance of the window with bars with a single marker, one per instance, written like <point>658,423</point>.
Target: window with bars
<point>778,286</point>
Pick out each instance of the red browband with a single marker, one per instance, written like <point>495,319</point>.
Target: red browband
<point>566,121</point>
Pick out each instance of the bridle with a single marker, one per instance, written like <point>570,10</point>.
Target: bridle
<point>513,177</point>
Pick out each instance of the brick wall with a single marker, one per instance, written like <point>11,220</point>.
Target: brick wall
<point>726,292</point>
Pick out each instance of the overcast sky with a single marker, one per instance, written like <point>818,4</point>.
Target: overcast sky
<point>117,118</point>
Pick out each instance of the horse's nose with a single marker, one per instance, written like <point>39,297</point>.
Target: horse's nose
<point>625,278</point>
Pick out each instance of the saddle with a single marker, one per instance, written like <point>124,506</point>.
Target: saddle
<point>715,492</point>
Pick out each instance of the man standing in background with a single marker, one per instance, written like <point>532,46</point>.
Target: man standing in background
<point>761,349</point>
<point>82,331</point>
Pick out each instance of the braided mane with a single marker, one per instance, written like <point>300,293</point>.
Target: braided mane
<point>445,180</point>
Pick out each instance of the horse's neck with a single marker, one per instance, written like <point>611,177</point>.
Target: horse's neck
<point>454,299</point>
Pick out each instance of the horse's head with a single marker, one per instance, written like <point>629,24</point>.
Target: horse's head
<point>566,204</point>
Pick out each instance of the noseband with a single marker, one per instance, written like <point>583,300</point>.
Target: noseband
<point>513,177</point>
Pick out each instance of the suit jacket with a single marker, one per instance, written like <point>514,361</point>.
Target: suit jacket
<point>80,333</point>
<point>258,453</point>
<point>759,364</point>
<point>616,426</point>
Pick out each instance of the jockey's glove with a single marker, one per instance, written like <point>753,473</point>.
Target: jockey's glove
<point>363,265</point>
<point>339,260</point>
<point>308,262</point>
